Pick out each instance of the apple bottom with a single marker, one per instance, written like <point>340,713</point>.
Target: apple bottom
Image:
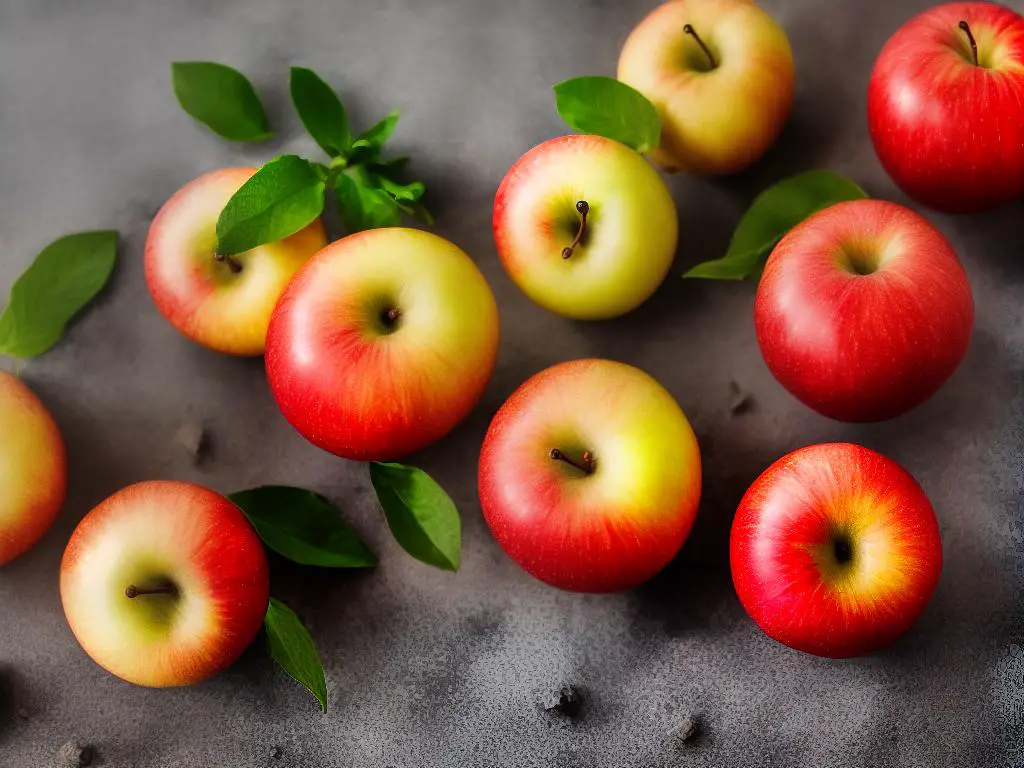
<point>165,584</point>
<point>835,550</point>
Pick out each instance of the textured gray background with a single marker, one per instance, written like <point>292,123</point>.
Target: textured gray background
<point>431,669</point>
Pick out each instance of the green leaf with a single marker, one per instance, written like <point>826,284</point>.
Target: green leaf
<point>403,193</point>
<point>367,146</point>
<point>303,526</point>
<point>221,98</point>
<point>772,214</point>
<point>609,108</point>
<point>363,206</point>
<point>291,646</point>
<point>422,517</point>
<point>281,198</point>
<point>321,111</point>
<point>62,279</point>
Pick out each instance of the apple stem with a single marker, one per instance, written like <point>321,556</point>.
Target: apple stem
<point>586,465</point>
<point>970,38</point>
<point>583,208</point>
<point>132,591</point>
<point>688,29</point>
<point>234,264</point>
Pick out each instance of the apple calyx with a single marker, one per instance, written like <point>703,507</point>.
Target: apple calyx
<point>583,208</point>
<point>585,465</point>
<point>842,550</point>
<point>234,264</point>
<point>131,591</point>
<point>966,28</point>
<point>688,29</point>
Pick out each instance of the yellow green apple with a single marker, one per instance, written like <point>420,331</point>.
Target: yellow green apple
<point>585,226</point>
<point>222,303</point>
<point>165,583</point>
<point>721,75</point>
<point>33,468</point>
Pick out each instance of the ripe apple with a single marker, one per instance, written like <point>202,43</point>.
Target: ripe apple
<point>222,303</point>
<point>382,343</point>
<point>33,468</point>
<point>590,476</point>
<point>835,550</point>
<point>946,107</point>
<point>165,583</point>
<point>863,311</point>
<point>720,73</point>
<point>585,227</point>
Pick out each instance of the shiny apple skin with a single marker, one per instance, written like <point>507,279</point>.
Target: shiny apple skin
<point>949,133</point>
<point>783,550</point>
<point>863,347</point>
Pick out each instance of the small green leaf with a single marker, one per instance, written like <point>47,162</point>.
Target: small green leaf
<point>422,517</point>
<point>367,146</point>
<point>403,193</point>
<point>291,646</point>
<point>63,278</point>
<point>363,206</point>
<point>221,98</point>
<point>321,111</point>
<point>607,107</point>
<point>281,198</point>
<point>303,526</point>
<point>772,214</point>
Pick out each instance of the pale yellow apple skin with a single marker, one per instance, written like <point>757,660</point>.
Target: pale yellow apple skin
<point>720,121</point>
<point>631,234</point>
<point>33,468</point>
<point>203,298</point>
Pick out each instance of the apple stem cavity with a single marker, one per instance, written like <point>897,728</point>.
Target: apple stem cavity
<point>131,592</point>
<point>688,29</point>
<point>585,465</point>
<point>583,208</point>
<point>970,38</point>
<point>234,264</point>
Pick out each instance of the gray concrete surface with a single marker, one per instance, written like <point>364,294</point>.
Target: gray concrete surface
<point>430,669</point>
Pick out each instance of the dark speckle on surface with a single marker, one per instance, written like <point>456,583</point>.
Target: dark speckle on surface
<point>429,669</point>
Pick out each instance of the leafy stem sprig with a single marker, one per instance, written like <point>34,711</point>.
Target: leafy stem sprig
<point>290,192</point>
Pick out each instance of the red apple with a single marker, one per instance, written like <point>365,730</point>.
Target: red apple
<point>948,120</point>
<point>33,468</point>
<point>223,304</point>
<point>835,550</point>
<point>590,476</point>
<point>165,583</point>
<point>382,343</point>
<point>863,311</point>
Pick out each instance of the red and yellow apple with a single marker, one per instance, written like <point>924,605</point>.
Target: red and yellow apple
<point>221,303</point>
<point>863,311</point>
<point>585,227</point>
<point>835,550</point>
<point>590,476</point>
<point>33,468</point>
<point>382,343</point>
<point>946,106</point>
<point>165,584</point>
<point>721,75</point>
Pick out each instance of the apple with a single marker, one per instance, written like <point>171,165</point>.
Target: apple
<point>946,107</point>
<point>720,73</point>
<point>165,583</point>
<point>221,303</point>
<point>590,476</point>
<point>835,550</point>
<point>863,311</point>
<point>382,343</point>
<point>33,468</point>
<point>585,227</point>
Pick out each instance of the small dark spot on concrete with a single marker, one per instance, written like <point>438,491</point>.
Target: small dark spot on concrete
<point>687,729</point>
<point>23,714</point>
<point>739,401</point>
<point>71,755</point>
<point>194,439</point>
<point>566,701</point>
<point>275,753</point>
